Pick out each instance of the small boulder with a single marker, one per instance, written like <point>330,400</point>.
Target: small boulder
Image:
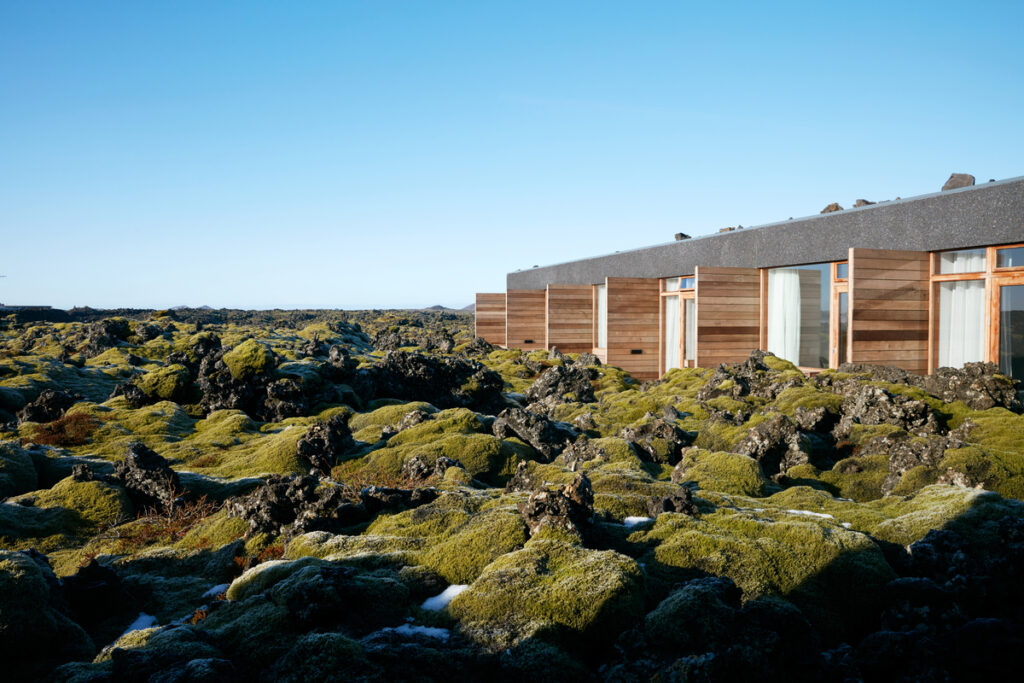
<point>324,443</point>
<point>147,478</point>
<point>958,180</point>
<point>657,440</point>
<point>832,208</point>
<point>546,436</point>
<point>569,508</point>
<point>776,444</point>
<point>48,406</point>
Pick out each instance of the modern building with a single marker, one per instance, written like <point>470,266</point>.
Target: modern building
<point>919,283</point>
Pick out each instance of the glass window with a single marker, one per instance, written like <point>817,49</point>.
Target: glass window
<point>961,322</point>
<point>842,271</point>
<point>672,284</point>
<point>1011,331</point>
<point>671,332</point>
<point>843,303</point>
<point>964,261</point>
<point>1011,257</point>
<point>687,282</point>
<point>799,300</point>
<point>689,348</point>
<point>602,316</point>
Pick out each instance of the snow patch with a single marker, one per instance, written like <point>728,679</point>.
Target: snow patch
<point>428,631</point>
<point>142,621</point>
<point>439,602</point>
<point>633,521</point>
<point>846,525</point>
<point>216,590</point>
<point>822,515</point>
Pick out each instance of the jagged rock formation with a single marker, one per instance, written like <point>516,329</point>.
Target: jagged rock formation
<point>289,505</point>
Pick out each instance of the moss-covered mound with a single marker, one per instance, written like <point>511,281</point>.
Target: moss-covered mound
<point>732,523</point>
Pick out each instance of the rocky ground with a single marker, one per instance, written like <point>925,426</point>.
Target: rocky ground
<point>227,495</point>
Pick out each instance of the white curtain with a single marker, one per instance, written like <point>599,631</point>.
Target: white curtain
<point>784,313</point>
<point>691,330</point>
<point>671,332</point>
<point>969,261</point>
<point>961,322</point>
<point>602,316</point>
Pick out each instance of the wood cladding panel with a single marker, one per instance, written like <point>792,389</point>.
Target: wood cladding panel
<point>634,307</point>
<point>525,318</point>
<point>889,308</point>
<point>570,318</point>
<point>490,317</point>
<point>728,303</point>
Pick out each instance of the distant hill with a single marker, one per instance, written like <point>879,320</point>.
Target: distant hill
<point>471,308</point>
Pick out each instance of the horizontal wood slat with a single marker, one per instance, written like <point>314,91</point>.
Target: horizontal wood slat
<point>728,305</point>
<point>525,318</point>
<point>490,317</point>
<point>889,308</point>
<point>570,318</point>
<point>634,306</point>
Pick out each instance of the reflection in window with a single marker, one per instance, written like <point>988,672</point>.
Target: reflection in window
<point>671,332</point>
<point>964,261</point>
<point>602,316</point>
<point>961,322</point>
<point>842,271</point>
<point>1012,257</point>
<point>689,349</point>
<point>798,313</point>
<point>843,303</point>
<point>686,282</point>
<point>1011,331</point>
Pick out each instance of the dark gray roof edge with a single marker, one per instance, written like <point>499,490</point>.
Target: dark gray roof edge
<point>988,213</point>
<point>789,221</point>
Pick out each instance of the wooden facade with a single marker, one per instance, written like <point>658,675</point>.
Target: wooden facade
<point>633,325</point>
<point>525,315</point>
<point>728,314</point>
<point>490,317</point>
<point>880,306</point>
<point>569,320</point>
<point>888,299</point>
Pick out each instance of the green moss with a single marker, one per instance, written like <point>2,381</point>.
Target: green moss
<point>96,503</point>
<point>17,472</point>
<point>777,364</point>
<point>858,478</point>
<point>905,519</point>
<point>169,383</point>
<point>806,396</point>
<point>248,359</point>
<point>724,436</point>
<point>452,421</point>
<point>551,589</point>
<point>128,641</point>
<point>263,576</point>
<point>387,415</point>
<point>915,479</point>
<point>831,573</point>
<point>214,532</point>
<point>30,624</point>
<point>725,472</point>
<point>371,548</point>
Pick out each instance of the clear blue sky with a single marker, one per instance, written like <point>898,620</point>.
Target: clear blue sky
<point>404,154</point>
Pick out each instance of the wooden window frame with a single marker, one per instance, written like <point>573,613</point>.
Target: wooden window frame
<point>683,294</point>
<point>833,328</point>
<point>993,277</point>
